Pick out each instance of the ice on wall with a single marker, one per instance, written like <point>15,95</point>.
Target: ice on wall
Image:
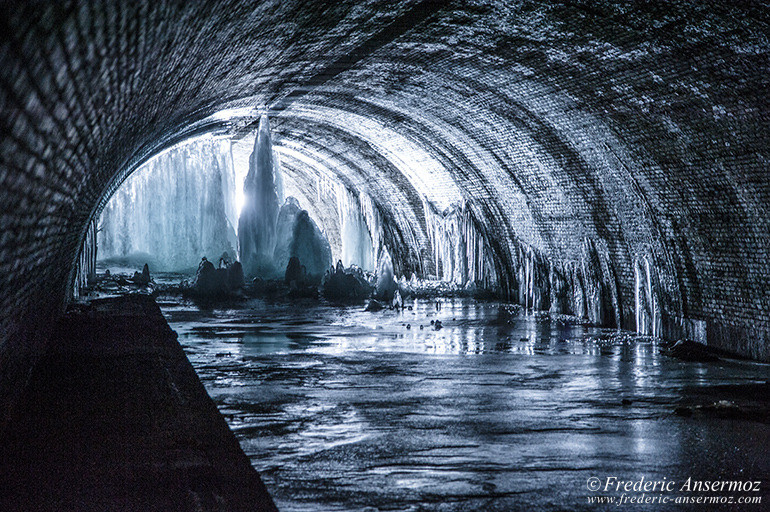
<point>86,265</point>
<point>175,209</point>
<point>460,253</point>
<point>585,287</point>
<point>359,223</point>
<point>259,215</point>
<point>647,303</point>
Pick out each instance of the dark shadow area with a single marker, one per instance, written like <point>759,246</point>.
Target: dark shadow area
<point>115,418</point>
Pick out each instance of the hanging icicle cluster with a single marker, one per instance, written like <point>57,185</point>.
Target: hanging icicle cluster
<point>86,265</point>
<point>460,253</point>
<point>586,288</point>
<point>360,228</point>
<point>647,298</point>
<point>359,220</point>
<point>533,279</point>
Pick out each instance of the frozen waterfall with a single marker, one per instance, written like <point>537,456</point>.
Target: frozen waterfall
<point>178,207</point>
<point>359,223</point>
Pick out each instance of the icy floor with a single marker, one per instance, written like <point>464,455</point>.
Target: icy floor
<point>341,409</point>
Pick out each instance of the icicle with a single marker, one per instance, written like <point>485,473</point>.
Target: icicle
<point>640,300</point>
<point>86,265</point>
<point>610,290</point>
<point>653,302</point>
<point>592,280</point>
<point>386,284</point>
<point>647,305</point>
<point>578,304</point>
<point>357,236</point>
<point>373,222</point>
<point>460,254</point>
<point>310,246</point>
<point>559,290</point>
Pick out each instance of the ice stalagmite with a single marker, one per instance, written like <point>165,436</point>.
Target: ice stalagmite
<point>310,246</point>
<point>386,283</point>
<point>297,236</point>
<point>287,217</point>
<point>257,224</point>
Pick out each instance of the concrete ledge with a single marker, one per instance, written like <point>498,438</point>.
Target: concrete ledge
<point>115,419</point>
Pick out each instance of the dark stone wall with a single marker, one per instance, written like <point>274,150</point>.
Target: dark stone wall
<point>641,130</point>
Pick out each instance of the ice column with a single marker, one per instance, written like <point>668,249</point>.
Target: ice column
<point>647,303</point>
<point>257,225</point>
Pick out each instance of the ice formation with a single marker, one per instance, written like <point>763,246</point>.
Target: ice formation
<point>287,217</point>
<point>345,284</point>
<point>178,207</point>
<point>183,205</point>
<point>460,253</point>
<point>359,223</point>
<point>86,265</point>
<point>311,247</point>
<point>259,216</point>
<point>386,283</point>
<point>271,233</point>
<point>647,303</point>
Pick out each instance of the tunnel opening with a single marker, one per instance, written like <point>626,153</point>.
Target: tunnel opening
<point>202,199</point>
<point>417,213</point>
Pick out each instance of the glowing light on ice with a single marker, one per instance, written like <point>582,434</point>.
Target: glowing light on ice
<point>240,200</point>
<point>257,223</point>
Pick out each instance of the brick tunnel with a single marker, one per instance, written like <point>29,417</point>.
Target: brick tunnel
<point>622,147</point>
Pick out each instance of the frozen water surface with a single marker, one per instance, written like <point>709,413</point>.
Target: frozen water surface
<point>342,409</point>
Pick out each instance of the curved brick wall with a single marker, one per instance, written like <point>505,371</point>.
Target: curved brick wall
<point>640,132</point>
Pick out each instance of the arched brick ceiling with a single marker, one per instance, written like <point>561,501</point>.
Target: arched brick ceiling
<point>642,127</point>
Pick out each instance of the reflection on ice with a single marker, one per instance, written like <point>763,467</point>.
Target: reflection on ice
<point>343,409</point>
